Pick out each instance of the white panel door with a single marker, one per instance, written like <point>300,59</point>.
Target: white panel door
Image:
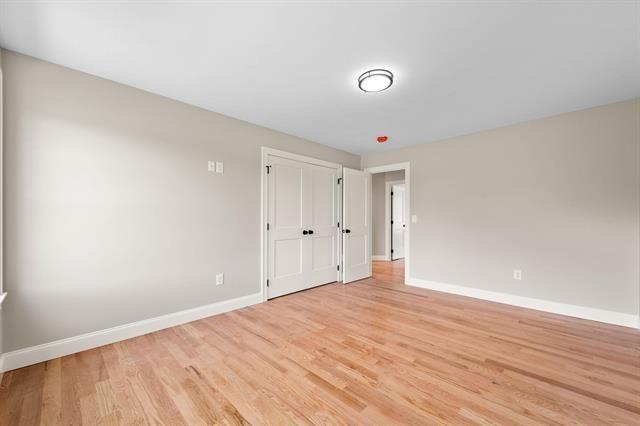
<point>323,225</point>
<point>397,224</point>
<point>357,224</point>
<point>303,226</point>
<point>288,205</point>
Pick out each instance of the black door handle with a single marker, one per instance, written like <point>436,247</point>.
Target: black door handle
<point>304,232</point>
<point>310,231</point>
<point>347,231</point>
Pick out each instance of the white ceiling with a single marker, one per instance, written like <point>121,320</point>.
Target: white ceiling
<point>292,66</point>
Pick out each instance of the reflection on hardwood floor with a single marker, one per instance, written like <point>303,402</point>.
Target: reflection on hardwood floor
<point>372,352</point>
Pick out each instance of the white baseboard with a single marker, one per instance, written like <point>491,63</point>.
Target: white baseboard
<point>34,354</point>
<point>379,257</point>
<point>601,315</point>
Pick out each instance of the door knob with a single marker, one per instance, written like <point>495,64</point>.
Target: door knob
<point>305,232</point>
<point>347,231</point>
<point>310,231</point>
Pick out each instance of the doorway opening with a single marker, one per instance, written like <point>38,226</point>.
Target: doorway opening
<point>390,222</point>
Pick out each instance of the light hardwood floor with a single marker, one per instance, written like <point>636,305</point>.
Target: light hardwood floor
<point>371,352</point>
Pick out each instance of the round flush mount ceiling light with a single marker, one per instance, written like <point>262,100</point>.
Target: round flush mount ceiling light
<point>375,80</point>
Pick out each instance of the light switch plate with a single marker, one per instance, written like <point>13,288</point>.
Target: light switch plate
<point>219,167</point>
<point>211,166</point>
<point>219,279</point>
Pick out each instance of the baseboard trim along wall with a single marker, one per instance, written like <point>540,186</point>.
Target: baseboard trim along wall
<point>601,315</point>
<point>34,354</point>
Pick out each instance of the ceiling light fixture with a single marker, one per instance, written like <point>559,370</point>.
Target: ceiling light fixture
<point>375,80</point>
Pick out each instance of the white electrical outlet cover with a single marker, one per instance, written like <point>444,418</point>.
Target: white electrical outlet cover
<point>219,279</point>
<point>211,166</point>
<point>219,167</point>
<point>414,218</point>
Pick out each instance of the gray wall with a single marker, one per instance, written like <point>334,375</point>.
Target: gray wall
<point>557,198</point>
<point>1,198</point>
<point>378,184</point>
<point>111,217</point>
<point>110,214</point>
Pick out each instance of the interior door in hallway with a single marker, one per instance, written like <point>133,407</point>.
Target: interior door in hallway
<point>397,221</point>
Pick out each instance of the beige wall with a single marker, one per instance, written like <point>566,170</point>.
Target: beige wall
<point>378,185</point>
<point>558,198</point>
<point>110,214</point>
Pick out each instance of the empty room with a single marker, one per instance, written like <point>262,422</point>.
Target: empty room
<point>319,212</point>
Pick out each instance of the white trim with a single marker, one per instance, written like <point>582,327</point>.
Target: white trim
<point>379,257</point>
<point>387,216</point>
<point>407,214</point>
<point>388,168</point>
<point>264,213</point>
<point>594,314</point>
<point>297,157</point>
<point>35,354</point>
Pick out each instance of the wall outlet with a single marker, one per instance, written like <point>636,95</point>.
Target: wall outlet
<point>219,279</point>
<point>414,218</point>
<point>219,167</point>
<point>517,274</point>
<point>211,166</point>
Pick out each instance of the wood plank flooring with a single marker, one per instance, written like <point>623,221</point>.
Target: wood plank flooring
<point>371,352</point>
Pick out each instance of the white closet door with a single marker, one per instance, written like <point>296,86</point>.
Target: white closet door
<point>324,225</point>
<point>357,224</point>
<point>398,225</point>
<point>303,226</point>
<point>288,201</point>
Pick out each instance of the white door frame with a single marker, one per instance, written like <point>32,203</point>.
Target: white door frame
<point>407,214</point>
<point>387,216</point>
<point>264,212</point>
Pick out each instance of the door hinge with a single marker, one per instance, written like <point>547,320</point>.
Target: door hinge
<point>338,224</point>
<point>267,226</point>
<point>267,283</point>
<point>268,169</point>
<point>391,250</point>
<point>338,267</point>
<point>392,222</point>
<point>391,191</point>
<point>339,180</point>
